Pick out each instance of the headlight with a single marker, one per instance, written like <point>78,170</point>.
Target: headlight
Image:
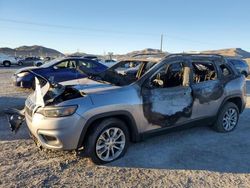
<point>22,74</point>
<point>57,111</point>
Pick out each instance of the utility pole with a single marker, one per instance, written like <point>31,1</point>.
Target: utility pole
<point>161,42</point>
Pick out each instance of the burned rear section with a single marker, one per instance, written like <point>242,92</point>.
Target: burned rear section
<point>186,88</point>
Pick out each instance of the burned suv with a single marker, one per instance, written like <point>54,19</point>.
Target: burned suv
<point>107,111</point>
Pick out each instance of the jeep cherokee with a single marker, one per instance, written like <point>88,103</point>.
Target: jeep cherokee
<point>107,111</point>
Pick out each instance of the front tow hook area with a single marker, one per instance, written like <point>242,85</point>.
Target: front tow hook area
<point>15,118</point>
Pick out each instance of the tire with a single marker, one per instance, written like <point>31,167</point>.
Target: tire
<point>107,145</point>
<point>20,63</point>
<point>6,63</point>
<point>227,118</point>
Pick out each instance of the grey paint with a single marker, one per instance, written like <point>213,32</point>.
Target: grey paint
<point>151,108</point>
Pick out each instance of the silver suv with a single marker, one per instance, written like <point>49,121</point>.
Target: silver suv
<point>107,111</point>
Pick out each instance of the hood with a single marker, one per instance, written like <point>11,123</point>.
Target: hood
<point>94,88</point>
<point>55,93</point>
<point>26,69</point>
<point>87,86</point>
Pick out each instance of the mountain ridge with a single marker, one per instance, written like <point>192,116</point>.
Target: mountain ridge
<point>34,50</point>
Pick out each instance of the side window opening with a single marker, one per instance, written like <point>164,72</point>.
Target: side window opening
<point>170,76</point>
<point>203,71</point>
<point>86,64</point>
<point>225,70</point>
<point>71,64</point>
<point>62,65</point>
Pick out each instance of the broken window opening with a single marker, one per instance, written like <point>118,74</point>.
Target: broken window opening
<point>225,70</point>
<point>171,76</point>
<point>203,71</point>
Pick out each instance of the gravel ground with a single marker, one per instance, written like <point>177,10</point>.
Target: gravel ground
<point>197,157</point>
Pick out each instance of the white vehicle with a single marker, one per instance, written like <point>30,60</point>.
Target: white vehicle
<point>7,60</point>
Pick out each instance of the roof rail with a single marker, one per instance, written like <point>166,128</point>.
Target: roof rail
<point>142,54</point>
<point>194,54</point>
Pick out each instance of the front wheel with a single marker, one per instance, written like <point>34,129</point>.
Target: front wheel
<point>108,141</point>
<point>228,118</point>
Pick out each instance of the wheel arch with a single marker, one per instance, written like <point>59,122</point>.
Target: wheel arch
<point>7,61</point>
<point>236,99</point>
<point>244,73</point>
<point>125,116</point>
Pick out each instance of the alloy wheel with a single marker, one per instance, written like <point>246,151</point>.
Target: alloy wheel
<point>110,144</point>
<point>230,119</point>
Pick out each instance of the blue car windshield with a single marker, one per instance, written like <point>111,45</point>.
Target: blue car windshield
<point>51,62</point>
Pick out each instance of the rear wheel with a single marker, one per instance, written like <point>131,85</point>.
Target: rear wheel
<point>6,63</point>
<point>108,141</point>
<point>228,118</point>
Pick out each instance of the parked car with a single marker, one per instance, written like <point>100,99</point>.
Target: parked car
<point>107,112</point>
<point>7,60</point>
<point>241,65</point>
<point>30,61</point>
<point>127,68</point>
<point>58,70</point>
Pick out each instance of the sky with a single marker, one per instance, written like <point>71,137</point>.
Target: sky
<point>121,26</point>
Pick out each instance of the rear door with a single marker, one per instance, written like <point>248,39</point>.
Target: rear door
<point>86,68</point>
<point>207,88</point>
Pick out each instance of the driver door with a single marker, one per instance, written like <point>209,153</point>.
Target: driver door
<point>167,97</point>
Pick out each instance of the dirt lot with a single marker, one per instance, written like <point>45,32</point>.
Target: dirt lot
<point>197,157</point>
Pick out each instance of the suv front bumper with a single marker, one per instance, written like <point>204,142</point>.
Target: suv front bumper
<point>61,133</point>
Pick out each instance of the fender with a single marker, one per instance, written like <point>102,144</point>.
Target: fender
<point>135,136</point>
<point>230,97</point>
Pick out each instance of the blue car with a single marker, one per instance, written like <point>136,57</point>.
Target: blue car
<point>59,70</point>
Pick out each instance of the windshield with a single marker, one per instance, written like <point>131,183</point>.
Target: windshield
<point>125,72</point>
<point>51,62</point>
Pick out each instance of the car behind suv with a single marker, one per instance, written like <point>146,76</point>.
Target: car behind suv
<point>110,110</point>
<point>240,65</point>
<point>58,70</point>
<point>7,60</point>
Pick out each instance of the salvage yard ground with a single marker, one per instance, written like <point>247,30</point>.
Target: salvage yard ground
<point>197,157</point>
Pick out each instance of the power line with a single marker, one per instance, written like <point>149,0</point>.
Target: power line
<point>73,27</point>
<point>100,30</point>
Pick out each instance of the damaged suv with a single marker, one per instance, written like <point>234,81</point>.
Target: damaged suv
<point>107,111</point>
